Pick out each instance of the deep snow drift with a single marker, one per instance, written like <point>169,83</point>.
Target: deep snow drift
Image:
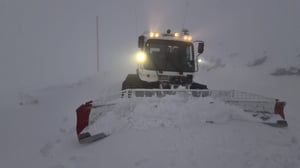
<point>39,131</point>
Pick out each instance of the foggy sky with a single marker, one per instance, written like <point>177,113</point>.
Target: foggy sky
<point>44,43</point>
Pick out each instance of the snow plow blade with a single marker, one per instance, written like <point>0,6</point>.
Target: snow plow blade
<point>86,117</point>
<point>264,110</point>
<point>88,138</point>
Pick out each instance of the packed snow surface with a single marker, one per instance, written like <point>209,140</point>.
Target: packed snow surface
<point>173,131</point>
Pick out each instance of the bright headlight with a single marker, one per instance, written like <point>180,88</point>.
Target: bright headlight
<point>151,34</point>
<point>141,57</point>
<point>156,35</point>
<point>187,38</point>
<point>200,60</point>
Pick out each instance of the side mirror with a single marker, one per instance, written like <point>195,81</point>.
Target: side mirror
<point>200,47</point>
<point>141,41</point>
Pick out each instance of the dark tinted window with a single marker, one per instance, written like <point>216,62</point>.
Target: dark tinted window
<point>169,55</point>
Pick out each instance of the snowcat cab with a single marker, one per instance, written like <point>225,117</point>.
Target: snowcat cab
<point>165,61</point>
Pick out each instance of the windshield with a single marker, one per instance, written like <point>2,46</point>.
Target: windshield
<point>166,55</point>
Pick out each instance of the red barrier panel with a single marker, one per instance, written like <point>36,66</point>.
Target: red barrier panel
<point>279,108</point>
<point>83,113</point>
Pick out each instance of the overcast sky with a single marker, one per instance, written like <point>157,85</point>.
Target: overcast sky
<point>51,42</point>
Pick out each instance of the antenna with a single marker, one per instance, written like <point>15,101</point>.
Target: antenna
<point>97,32</point>
<point>136,18</point>
<point>185,14</point>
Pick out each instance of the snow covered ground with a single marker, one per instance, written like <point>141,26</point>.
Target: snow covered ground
<point>46,43</point>
<point>38,130</point>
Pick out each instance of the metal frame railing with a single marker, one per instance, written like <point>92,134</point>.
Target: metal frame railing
<point>245,100</point>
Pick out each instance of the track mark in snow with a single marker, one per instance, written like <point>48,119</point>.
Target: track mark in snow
<point>77,158</point>
<point>46,150</point>
<point>72,162</point>
<point>62,130</point>
<point>25,99</point>
<point>233,55</point>
<point>294,140</point>
<point>65,119</point>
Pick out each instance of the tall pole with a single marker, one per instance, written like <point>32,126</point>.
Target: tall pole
<point>97,27</point>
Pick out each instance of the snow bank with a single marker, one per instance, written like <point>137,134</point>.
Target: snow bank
<point>169,111</point>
